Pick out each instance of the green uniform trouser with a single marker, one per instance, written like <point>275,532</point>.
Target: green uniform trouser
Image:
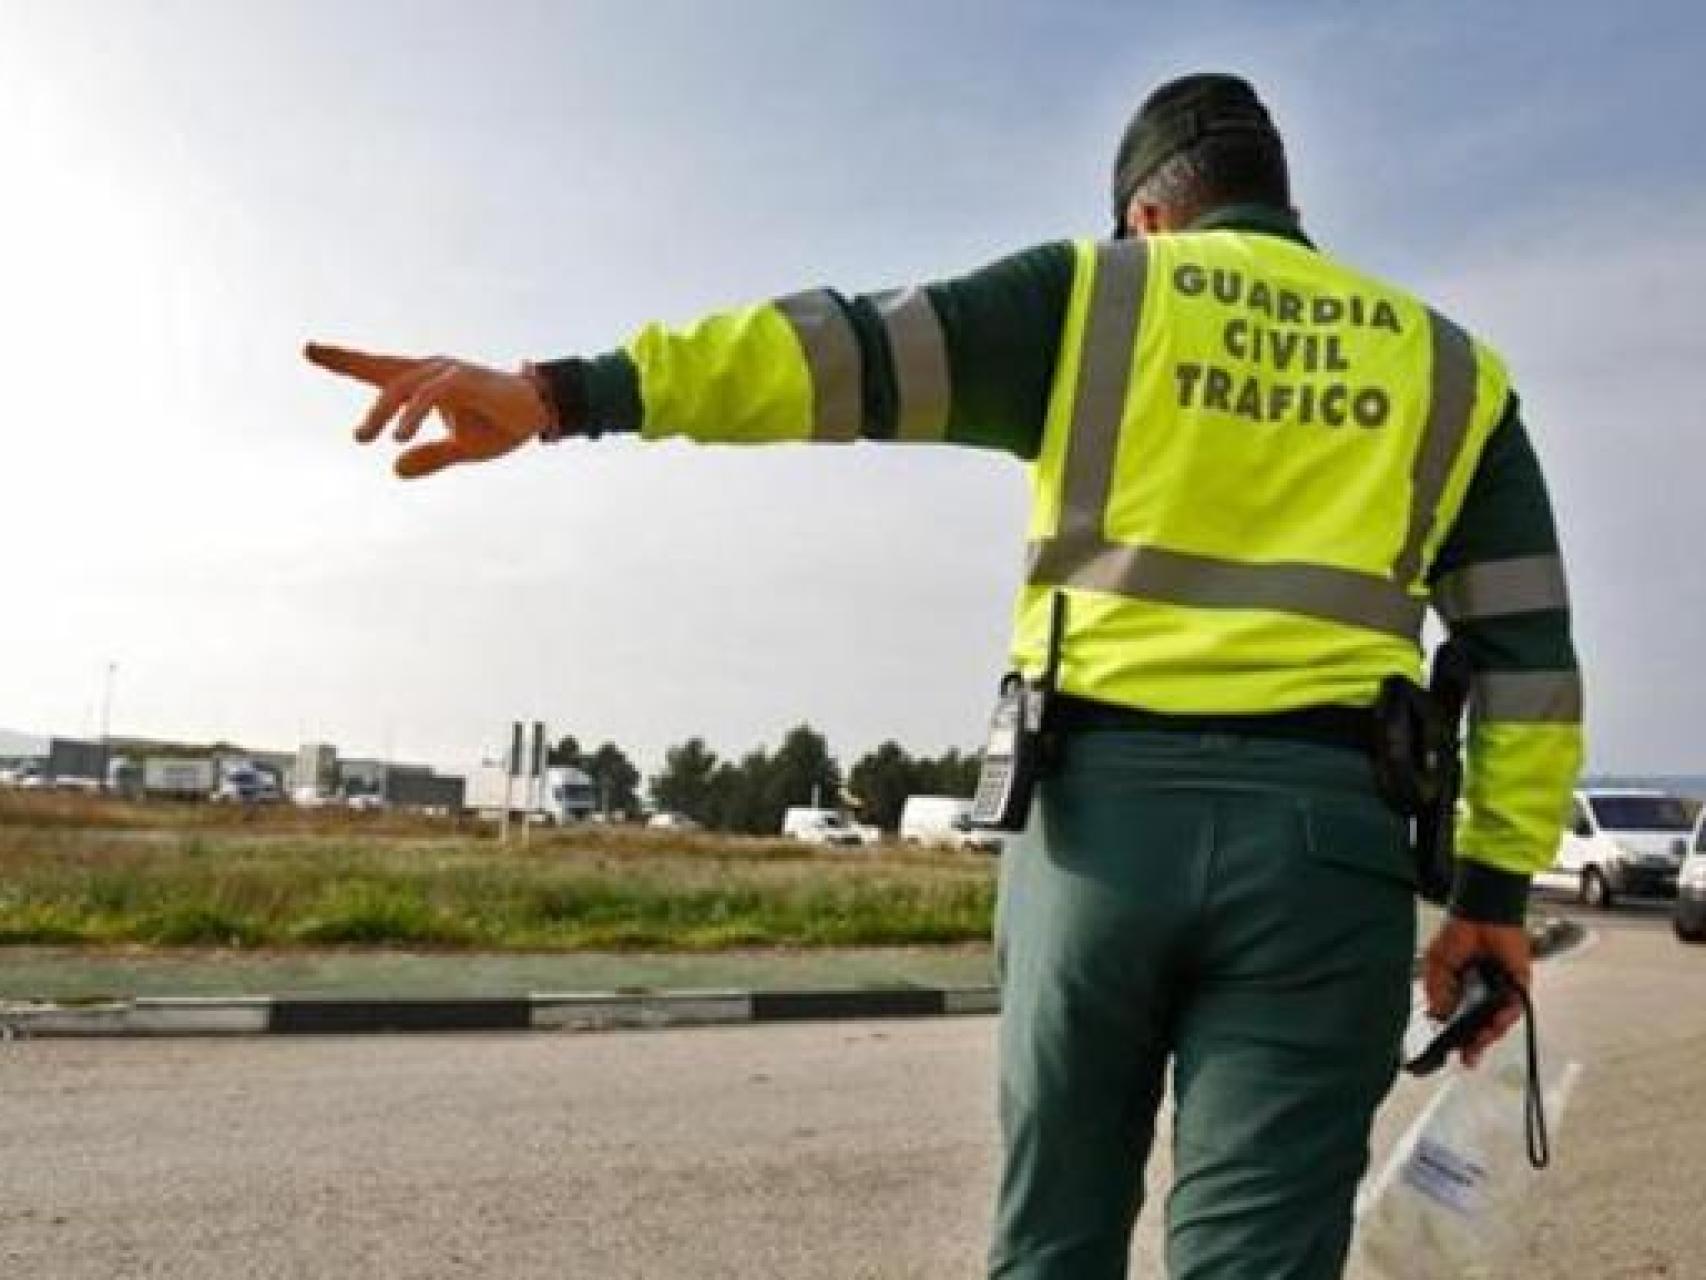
<point>1239,906</point>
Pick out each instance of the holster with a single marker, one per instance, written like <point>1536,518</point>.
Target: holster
<point>1418,762</point>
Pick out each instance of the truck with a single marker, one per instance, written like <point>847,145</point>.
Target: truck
<point>562,797</point>
<point>242,782</point>
<point>124,777</point>
<point>944,821</point>
<point>178,778</point>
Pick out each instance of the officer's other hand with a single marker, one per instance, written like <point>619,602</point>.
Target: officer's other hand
<point>486,412</point>
<point>1457,943</point>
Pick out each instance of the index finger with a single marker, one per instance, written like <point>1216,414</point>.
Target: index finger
<point>368,366</point>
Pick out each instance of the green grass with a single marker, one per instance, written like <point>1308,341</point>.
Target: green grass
<point>63,883</point>
<point>94,973</point>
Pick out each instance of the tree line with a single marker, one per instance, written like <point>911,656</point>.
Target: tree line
<point>749,794</point>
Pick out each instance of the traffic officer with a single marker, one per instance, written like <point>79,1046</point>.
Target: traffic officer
<point>1253,469</point>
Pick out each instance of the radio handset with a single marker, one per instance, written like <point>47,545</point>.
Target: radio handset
<point>1015,754</point>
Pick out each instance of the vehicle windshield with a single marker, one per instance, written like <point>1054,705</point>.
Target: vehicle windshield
<point>1642,813</point>
<point>834,820</point>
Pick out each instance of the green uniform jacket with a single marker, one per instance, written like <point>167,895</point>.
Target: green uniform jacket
<point>721,381</point>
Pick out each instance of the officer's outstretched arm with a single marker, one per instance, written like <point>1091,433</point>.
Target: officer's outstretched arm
<point>968,361</point>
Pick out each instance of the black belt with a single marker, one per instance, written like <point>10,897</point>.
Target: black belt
<point>1331,725</point>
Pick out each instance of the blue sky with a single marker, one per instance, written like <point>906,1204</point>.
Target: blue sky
<point>199,187</point>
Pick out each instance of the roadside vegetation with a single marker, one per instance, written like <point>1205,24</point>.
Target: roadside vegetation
<point>91,871</point>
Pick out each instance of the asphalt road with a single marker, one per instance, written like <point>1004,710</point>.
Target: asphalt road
<point>840,1150</point>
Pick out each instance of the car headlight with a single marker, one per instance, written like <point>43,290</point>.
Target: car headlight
<point>1695,877</point>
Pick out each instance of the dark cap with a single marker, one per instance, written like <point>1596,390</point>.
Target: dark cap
<point>1176,117</point>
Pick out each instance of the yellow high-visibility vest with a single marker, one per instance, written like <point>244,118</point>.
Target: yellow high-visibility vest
<point>1251,458</point>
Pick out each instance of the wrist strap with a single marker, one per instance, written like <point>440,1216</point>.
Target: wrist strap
<point>1533,1100</point>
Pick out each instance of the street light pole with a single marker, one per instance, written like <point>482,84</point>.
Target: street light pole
<point>106,726</point>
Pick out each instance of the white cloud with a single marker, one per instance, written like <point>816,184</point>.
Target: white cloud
<point>1600,318</point>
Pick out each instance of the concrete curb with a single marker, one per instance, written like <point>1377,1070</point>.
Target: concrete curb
<point>594,1011</point>
<point>585,1011</point>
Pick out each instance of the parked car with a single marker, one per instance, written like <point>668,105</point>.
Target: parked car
<point>28,776</point>
<point>945,821</point>
<point>1690,917</point>
<point>668,820</point>
<point>821,826</point>
<point>1622,841</point>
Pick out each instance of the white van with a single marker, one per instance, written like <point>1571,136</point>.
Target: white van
<point>946,821</point>
<point>1690,916</point>
<point>1622,841</point>
<point>820,826</point>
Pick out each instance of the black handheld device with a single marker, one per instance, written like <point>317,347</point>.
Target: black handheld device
<point>1487,988</point>
<point>1418,765</point>
<point>1013,756</point>
<point>1449,686</point>
<point>1429,1044</point>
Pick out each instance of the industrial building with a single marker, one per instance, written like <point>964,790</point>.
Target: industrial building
<point>75,761</point>
<point>141,767</point>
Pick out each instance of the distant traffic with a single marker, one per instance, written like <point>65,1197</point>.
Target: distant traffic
<point>1622,842</point>
<point>316,777</point>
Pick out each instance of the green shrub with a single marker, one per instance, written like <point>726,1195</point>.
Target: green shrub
<point>197,924</point>
<point>37,927</point>
<point>373,916</point>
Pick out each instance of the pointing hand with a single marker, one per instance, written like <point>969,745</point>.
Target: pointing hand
<point>486,412</point>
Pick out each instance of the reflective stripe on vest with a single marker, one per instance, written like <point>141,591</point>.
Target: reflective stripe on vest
<point>1496,588</point>
<point>919,354</point>
<point>1451,403</point>
<point>831,351</point>
<point>1079,554</point>
<point>1536,697</point>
